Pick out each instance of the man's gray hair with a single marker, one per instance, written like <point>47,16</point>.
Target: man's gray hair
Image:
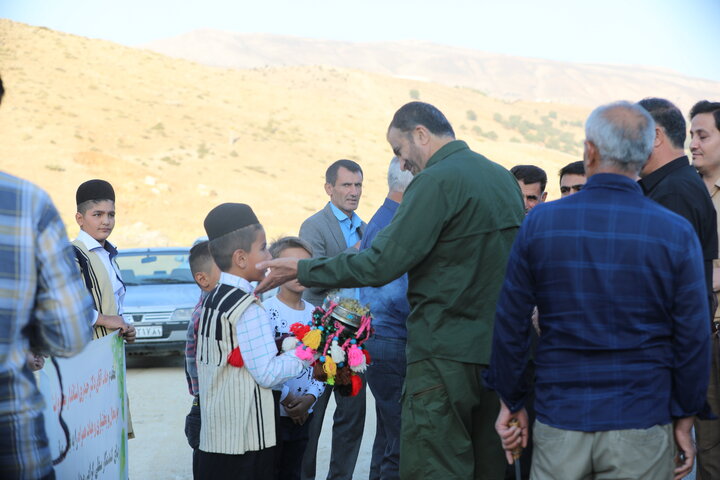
<point>398,180</point>
<point>623,133</point>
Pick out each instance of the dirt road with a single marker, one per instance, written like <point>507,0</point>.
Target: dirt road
<point>159,401</point>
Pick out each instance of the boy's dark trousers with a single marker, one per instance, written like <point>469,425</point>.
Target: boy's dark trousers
<point>192,431</point>
<point>292,441</point>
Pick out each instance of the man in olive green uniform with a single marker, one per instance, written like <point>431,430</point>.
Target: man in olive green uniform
<point>452,234</point>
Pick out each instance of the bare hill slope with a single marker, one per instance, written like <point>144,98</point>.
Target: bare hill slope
<point>176,138</point>
<point>498,75</point>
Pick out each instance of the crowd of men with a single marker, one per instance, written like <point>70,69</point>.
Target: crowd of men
<point>587,324</point>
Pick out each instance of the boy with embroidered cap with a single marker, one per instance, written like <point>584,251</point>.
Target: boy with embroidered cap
<point>236,354</point>
<point>96,257</point>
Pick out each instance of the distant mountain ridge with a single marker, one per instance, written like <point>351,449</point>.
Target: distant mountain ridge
<point>501,76</point>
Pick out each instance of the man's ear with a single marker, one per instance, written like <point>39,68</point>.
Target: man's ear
<point>421,134</point>
<point>201,279</point>
<point>660,137</point>
<point>591,155</point>
<point>79,219</point>
<point>543,196</point>
<point>328,189</point>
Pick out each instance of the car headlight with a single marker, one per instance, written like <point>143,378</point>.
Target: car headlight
<point>181,315</point>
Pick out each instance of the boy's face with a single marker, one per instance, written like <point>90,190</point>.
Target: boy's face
<point>98,221</point>
<point>258,253</point>
<point>301,254</point>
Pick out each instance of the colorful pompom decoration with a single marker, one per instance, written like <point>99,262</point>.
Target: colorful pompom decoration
<point>356,385</point>
<point>368,360</point>
<point>299,330</point>
<point>304,353</point>
<point>289,343</point>
<point>312,338</point>
<point>318,371</point>
<point>334,345</point>
<point>336,352</point>
<point>355,356</point>
<point>329,367</point>
<point>234,358</point>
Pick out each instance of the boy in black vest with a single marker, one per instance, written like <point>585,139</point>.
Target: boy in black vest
<point>237,355</point>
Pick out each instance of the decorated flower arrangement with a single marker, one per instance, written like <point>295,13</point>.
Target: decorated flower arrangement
<point>334,340</point>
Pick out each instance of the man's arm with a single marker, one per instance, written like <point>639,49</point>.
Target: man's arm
<point>512,329</point>
<point>191,373</point>
<point>404,243</point>
<point>63,308</point>
<point>412,234</point>
<point>691,338</point>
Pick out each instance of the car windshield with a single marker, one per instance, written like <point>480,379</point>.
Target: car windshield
<point>155,267</point>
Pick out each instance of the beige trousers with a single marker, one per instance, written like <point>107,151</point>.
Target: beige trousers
<point>634,454</point>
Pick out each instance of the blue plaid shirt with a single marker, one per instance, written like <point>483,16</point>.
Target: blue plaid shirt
<point>43,303</point>
<point>619,284</point>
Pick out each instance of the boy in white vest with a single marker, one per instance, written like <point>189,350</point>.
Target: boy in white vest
<point>95,215</point>
<point>237,358</point>
<point>95,255</point>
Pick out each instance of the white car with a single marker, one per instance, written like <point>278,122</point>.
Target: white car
<point>160,298</point>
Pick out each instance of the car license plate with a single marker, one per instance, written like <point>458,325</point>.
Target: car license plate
<point>148,332</point>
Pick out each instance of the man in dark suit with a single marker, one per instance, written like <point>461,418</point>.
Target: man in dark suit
<point>333,230</point>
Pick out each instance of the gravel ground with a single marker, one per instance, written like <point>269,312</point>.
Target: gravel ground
<point>159,402</point>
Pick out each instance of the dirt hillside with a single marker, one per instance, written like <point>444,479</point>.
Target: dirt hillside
<point>176,138</point>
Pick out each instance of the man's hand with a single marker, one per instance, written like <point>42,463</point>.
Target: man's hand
<point>113,322</point>
<point>35,361</point>
<point>685,445</point>
<point>128,333</point>
<point>281,270</point>
<point>515,436</point>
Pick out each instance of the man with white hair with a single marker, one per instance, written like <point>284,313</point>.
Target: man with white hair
<point>390,309</point>
<point>623,360</point>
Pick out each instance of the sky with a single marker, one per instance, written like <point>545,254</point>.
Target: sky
<point>680,35</point>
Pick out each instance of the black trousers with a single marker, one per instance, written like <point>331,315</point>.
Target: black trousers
<point>257,465</point>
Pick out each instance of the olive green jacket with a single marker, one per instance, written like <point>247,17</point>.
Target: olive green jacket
<point>452,233</point>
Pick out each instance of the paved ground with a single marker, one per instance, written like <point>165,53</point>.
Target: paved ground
<point>159,402</point>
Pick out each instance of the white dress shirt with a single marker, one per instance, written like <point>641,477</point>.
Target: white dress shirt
<point>113,272</point>
<point>257,342</point>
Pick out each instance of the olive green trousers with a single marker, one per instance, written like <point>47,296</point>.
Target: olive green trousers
<point>448,424</point>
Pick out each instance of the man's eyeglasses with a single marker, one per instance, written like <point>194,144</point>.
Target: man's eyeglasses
<point>566,189</point>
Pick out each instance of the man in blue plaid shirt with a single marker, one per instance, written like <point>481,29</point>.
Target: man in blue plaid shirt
<point>623,356</point>
<point>44,307</point>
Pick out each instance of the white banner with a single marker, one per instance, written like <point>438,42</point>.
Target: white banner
<point>94,409</point>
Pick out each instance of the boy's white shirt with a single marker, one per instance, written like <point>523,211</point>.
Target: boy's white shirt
<point>257,342</point>
<point>281,317</point>
<point>118,287</point>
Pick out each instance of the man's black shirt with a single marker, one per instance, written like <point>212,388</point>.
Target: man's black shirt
<point>677,186</point>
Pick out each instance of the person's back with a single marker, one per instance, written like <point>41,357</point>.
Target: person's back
<point>605,289</point>
<point>467,195</point>
<point>43,307</point>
